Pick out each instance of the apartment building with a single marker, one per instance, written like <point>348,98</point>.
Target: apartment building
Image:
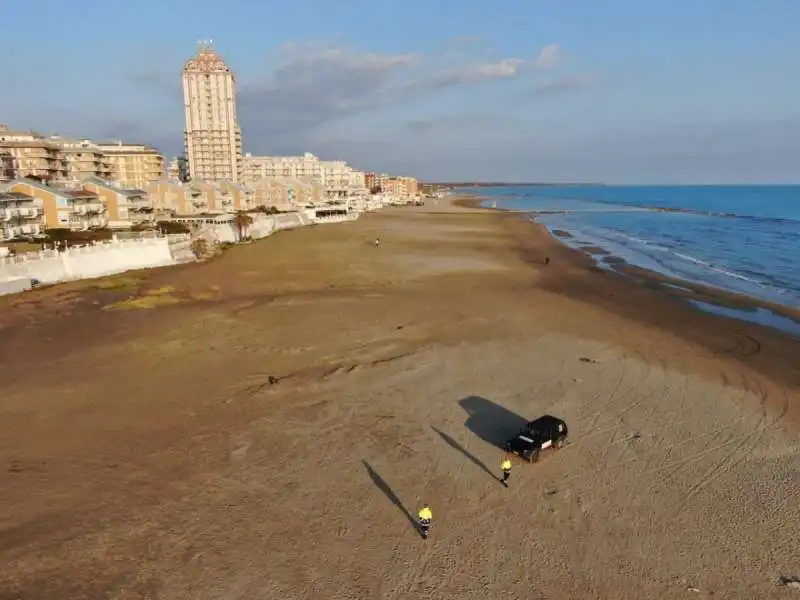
<point>336,177</point>
<point>392,187</point>
<point>375,180</point>
<point>125,206</point>
<point>268,191</point>
<point>400,187</point>
<point>300,192</point>
<point>178,169</point>
<point>83,158</point>
<point>73,209</point>
<point>411,186</point>
<point>20,215</point>
<point>212,138</point>
<point>216,200</point>
<point>339,178</point>
<point>6,165</point>
<point>306,166</point>
<point>30,154</point>
<point>133,166</point>
<point>241,195</point>
<point>175,198</point>
<point>358,182</point>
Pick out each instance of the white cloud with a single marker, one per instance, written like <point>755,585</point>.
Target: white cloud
<point>548,58</point>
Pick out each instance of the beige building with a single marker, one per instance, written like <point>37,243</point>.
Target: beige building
<point>306,166</point>
<point>241,195</point>
<point>20,215</point>
<point>300,192</point>
<point>268,192</point>
<point>83,158</point>
<point>400,187</point>
<point>212,138</point>
<point>133,166</point>
<point>29,154</point>
<point>71,209</point>
<point>411,186</point>
<point>338,178</point>
<point>175,198</point>
<point>216,200</point>
<point>125,206</point>
<point>6,165</point>
<point>173,170</point>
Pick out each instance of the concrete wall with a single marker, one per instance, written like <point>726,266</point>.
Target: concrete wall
<point>263,226</point>
<point>88,262</point>
<point>13,286</point>
<point>337,218</point>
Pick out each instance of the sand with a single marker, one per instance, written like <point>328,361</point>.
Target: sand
<point>263,425</point>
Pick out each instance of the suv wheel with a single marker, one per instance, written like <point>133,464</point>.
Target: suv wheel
<point>561,442</point>
<point>533,456</point>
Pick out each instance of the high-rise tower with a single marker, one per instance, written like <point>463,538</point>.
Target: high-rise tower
<point>212,138</point>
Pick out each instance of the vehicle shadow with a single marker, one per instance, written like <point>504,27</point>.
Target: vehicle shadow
<point>454,444</point>
<point>491,422</point>
<point>381,484</point>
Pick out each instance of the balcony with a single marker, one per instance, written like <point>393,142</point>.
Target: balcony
<point>29,212</point>
<point>6,214</point>
<point>27,229</point>
<point>89,208</point>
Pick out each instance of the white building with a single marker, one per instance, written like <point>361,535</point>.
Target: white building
<point>300,167</point>
<point>212,138</point>
<point>339,178</point>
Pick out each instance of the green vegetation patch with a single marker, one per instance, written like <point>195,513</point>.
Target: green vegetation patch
<point>123,282</point>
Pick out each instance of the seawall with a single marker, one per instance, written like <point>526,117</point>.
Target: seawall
<point>108,258</point>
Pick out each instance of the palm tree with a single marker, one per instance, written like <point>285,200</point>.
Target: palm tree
<point>199,248</point>
<point>242,221</point>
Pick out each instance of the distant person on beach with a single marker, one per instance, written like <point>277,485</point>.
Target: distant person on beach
<point>377,242</point>
<point>506,467</point>
<point>547,260</point>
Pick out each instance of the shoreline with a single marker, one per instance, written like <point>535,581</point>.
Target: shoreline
<point>658,302</point>
<point>708,299</point>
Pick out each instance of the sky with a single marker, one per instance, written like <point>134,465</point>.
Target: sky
<point>611,91</point>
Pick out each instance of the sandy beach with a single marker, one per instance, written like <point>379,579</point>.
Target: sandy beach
<point>263,426</point>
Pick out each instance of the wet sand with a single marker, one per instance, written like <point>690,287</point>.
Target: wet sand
<point>263,426</point>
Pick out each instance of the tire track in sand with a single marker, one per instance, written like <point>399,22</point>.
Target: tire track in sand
<point>746,444</point>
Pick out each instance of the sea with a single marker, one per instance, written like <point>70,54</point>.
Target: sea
<point>743,239</point>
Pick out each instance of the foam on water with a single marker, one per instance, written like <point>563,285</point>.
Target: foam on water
<point>743,239</point>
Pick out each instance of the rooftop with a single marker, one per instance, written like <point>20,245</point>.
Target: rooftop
<point>79,193</point>
<point>123,147</point>
<point>13,197</point>
<point>113,186</point>
<point>206,61</point>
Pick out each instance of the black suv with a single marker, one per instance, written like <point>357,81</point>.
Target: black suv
<point>540,434</point>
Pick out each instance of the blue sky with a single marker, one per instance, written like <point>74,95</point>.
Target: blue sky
<point>616,91</point>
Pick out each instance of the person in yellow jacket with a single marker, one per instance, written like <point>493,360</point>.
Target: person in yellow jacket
<point>425,517</point>
<point>506,467</point>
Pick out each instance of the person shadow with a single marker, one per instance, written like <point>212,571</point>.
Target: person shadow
<point>381,484</point>
<point>491,422</point>
<point>456,446</point>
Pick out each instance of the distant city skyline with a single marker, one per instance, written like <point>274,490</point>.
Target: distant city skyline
<point>613,92</point>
